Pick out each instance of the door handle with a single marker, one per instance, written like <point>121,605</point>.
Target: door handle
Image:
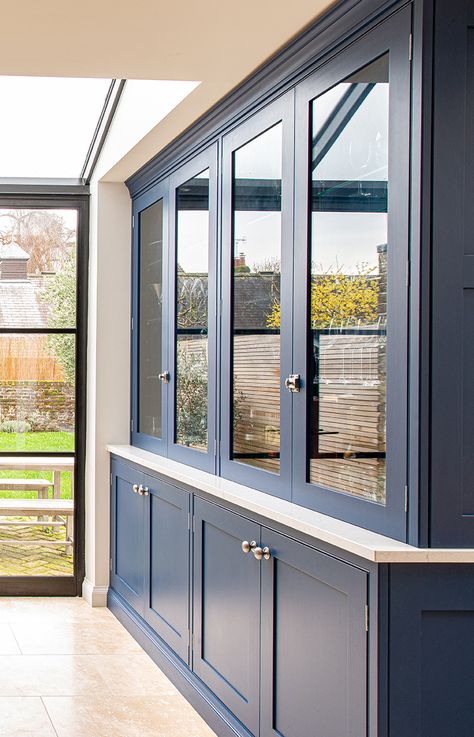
<point>143,490</point>
<point>164,376</point>
<point>293,383</point>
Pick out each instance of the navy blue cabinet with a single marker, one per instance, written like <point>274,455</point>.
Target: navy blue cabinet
<point>314,643</point>
<point>311,611</point>
<point>227,609</point>
<point>167,541</point>
<point>127,535</point>
<point>150,552</point>
<point>278,628</point>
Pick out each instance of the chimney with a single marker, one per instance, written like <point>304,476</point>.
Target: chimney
<point>13,262</point>
<point>239,261</point>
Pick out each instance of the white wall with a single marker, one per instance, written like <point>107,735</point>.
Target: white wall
<point>108,372</point>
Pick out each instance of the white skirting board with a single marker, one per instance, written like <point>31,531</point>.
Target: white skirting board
<point>94,595</point>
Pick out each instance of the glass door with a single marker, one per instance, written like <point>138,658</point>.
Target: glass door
<point>42,267</point>
<point>150,370</point>
<point>257,316</point>
<point>352,133</point>
<point>192,340</point>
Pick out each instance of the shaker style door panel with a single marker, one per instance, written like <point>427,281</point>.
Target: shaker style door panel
<point>227,609</point>
<point>313,664</point>
<point>167,563</point>
<point>351,306</point>
<point>128,535</point>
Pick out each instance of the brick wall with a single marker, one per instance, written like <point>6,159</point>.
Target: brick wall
<point>47,405</point>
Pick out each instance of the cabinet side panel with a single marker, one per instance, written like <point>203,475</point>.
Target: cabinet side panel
<point>452,401</point>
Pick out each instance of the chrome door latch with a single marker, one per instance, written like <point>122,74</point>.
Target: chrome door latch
<point>164,376</point>
<point>293,383</point>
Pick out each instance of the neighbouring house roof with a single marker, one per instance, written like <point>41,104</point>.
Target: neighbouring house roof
<point>21,305</point>
<point>13,252</point>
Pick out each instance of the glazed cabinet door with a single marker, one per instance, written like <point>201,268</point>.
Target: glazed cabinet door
<point>128,534</point>
<point>227,609</point>
<point>167,538</point>
<point>314,670</point>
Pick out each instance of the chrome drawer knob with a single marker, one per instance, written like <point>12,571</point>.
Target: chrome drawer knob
<point>260,553</point>
<point>247,547</point>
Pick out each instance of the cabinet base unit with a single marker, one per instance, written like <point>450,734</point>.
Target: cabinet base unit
<point>269,632</point>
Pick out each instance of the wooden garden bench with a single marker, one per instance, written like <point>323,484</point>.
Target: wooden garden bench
<point>42,486</point>
<point>60,510</point>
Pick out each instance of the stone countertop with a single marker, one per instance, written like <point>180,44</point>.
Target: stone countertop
<point>363,543</point>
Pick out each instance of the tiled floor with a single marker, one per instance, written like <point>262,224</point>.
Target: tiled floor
<point>67,670</point>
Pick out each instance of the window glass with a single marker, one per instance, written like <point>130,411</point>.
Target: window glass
<point>38,268</point>
<point>192,266</point>
<point>348,284</point>
<point>257,179</point>
<point>150,320</point>
<point>37,392</point>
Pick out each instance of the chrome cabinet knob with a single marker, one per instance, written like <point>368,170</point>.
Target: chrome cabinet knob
<point>164,376</point>
<point>135,488</point>
<point>143,490</point>
<point>247,547</point>
<point>260,553</point>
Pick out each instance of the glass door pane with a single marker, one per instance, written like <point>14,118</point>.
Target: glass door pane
<point>256,309</point>
<point>38,377</point>
<point>150,326</point>
<point>192,296</point>
<point>348,284</point>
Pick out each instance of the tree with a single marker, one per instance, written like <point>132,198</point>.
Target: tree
<point>339,299</point>
<point>42,234</point>
<point>60,295</point>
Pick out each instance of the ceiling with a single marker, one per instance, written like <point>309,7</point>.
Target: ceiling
<point>217,42</point>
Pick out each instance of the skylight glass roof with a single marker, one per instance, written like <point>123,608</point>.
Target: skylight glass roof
<point>47,124</point>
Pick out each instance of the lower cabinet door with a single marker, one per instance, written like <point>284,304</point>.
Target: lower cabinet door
<point>167,567</point>
<point>313,667</point>
<point>227,610</point>
<point>127,535</point>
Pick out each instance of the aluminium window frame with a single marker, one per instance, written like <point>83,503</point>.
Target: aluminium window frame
<point>47,196</point>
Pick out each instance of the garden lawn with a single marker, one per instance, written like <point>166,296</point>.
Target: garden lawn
<point>36,442</point>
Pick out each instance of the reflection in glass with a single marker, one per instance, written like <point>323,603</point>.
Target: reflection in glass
<point>37,393</point>
<point>150,320</point>
<point>257,175</point>
<point>38,268</point>
<point>192,266</point>
<point>348,284</point>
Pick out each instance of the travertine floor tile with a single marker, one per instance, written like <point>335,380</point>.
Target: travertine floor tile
<point>24,717</point>
<point>132,716</point>
<point>48,675</point>
<point>67,670</point>
<point>73,636</point>
<point>8,643</point>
